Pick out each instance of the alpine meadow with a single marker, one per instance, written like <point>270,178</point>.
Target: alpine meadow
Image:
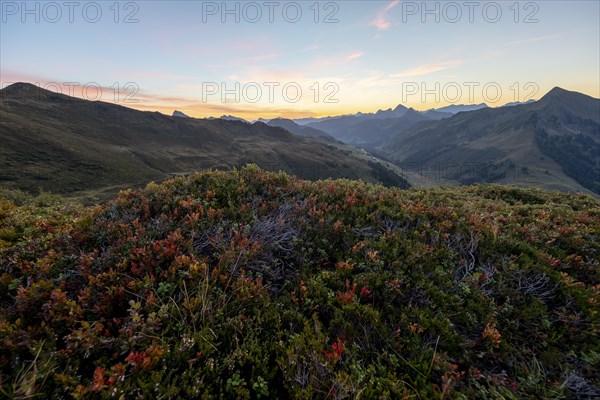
<point>376,199</point>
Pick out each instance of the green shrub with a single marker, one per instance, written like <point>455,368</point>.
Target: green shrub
<point>248,284</point>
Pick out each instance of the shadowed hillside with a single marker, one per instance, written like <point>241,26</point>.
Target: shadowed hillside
<point>552,143</point>
<point>67,145</point>
<point>300,130</point>
<point>372,133</point>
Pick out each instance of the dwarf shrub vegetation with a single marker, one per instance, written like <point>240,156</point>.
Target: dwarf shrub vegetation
<point>254,285</point>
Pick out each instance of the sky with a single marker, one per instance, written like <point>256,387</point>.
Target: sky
<point>301,59</point>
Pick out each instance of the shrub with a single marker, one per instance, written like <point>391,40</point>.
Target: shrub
<point>247,284</point>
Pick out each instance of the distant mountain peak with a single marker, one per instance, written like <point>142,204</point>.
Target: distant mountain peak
<point>300,130</point>
<point>180,114</point>
<point>25,88</point>
<point>25,91</point>
<point>21,86</point>
<point>281,119</point>
<point>519,103</point>
<point>456,108</point>
<point>232,118</point>
<point>564,98</point>
<point>412,111</point>
<point>559,93</point>
<point>576,103</point>
<point>558,90</point>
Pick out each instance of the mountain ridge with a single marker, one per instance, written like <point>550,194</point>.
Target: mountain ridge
<point>553,138</point>
<point>300,130</point>
<point>60,143</point>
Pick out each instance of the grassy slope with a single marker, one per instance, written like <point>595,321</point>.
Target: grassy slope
<point>502,145</point>
<point>253,285</point>
<point>300,130</point>
<point>71,146</point>
<point>374,132</point>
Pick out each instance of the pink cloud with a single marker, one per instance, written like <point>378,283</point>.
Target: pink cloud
<point>536,39</point>
<point>380,21</point>
<point>354,56</point>
<point>427,69</point>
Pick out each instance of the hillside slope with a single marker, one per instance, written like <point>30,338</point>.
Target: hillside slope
<point>337,126</point>
<point>300,130</point>
<point>67,145</point>
<point>552,143</point>
<point>252,285</point>
<point>373,133</point>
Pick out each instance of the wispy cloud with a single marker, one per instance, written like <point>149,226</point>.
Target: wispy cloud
<point>427,69</point>
<point>504,49</point>
<point>333,60</point>
<point>381,22</point>
<point>250,60</point>
<point>305,79</point>
<point>535,39</point>
<point>310,48</point>
<point>494,53</point>
<point>158,75</point>
<point>354,56</point>
<point>374,79</point>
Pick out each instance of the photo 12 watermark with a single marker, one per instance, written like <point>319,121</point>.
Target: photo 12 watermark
<point>271,92</point>
<point>116,92</point>
<point>467,92</point>
<point>452,12</point>
<point>253,12</point>
<point>61,173</point>
<point>472,172</point>
<point>53,12</point>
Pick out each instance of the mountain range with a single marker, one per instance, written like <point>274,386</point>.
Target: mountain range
<point>433,113</point>
<point>552,143</point>
<point>292,127</point>
<point>58,143</point>
<point>55,142</point>
<point>456,108</point>
<point>371,130</point>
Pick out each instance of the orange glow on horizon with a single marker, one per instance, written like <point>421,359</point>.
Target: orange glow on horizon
<point>196,109</point>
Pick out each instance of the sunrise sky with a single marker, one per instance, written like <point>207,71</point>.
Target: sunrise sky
<point>302,58</point>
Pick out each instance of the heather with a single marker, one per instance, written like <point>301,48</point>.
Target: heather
<point>248,284</point>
